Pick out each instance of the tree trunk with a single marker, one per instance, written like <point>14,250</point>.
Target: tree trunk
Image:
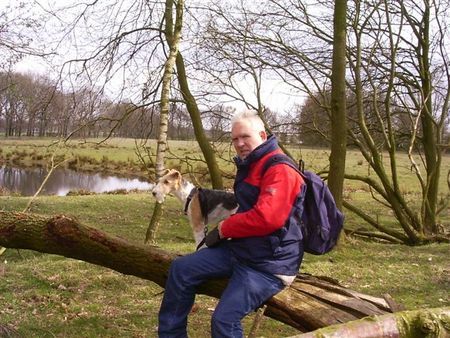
<point>173,36</point>
<point>200,135</point>
<point>419,323</point>
<point>338,105</point>
<point>308,304</point>
<point>153,226</point>
<point>429,130</point>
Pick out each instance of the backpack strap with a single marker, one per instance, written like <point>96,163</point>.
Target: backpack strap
<point>280,159</point>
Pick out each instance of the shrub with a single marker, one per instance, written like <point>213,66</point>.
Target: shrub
<point>80,192</point>
<point>73,163</point>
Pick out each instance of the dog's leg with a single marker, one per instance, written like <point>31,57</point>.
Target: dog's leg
<point>196,219</point>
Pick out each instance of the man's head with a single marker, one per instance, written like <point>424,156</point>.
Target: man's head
<point>247,132</point>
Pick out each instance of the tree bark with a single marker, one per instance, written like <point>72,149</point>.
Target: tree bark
<point>173,37</point>
<point>338,105</point>
<point>199,130</point>
<point>308,304</point>
<point>417,323</point>
<point>430,133</point>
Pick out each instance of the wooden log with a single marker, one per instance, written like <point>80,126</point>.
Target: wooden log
<point>308,304</point>
<point>406,324</point>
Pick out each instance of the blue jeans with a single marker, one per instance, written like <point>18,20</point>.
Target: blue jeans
<point>247,289</point>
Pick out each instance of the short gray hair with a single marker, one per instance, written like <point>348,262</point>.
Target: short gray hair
<point>250,115</point>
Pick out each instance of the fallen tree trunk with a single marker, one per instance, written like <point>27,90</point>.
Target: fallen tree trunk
<point>418,323</point>
<point>309,304</point>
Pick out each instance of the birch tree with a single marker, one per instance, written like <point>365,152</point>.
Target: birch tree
<point>173,36</point>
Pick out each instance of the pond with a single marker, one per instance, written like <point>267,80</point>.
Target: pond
<point>26,181</point>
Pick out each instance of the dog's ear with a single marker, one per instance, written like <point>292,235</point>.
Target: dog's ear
<point>165,172</point>
<point>175,177</point>
<point>174,174</point>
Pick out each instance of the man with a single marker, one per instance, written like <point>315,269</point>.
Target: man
<point>264,250</point>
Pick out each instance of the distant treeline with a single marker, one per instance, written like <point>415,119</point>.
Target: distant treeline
<point>33,106</point>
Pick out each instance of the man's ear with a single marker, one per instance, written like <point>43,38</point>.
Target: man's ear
<point>263,135</point>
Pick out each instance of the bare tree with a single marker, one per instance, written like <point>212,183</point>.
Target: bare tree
<point>401,74</point>
<point>338,104</point>
<point>397,78</point>
<point>173,36</point>
<point>17,26</point>
<point>194,112</point>
<point>391,46</point>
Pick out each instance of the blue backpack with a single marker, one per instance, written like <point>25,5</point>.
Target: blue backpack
<point>321,220</point>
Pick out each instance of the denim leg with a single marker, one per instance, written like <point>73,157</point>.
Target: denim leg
<point>185,274</point>
<point>245,292</point>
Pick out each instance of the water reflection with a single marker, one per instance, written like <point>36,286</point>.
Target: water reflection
<point>27,181</point>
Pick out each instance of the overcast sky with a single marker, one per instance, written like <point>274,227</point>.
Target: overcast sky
<point>277,95</point>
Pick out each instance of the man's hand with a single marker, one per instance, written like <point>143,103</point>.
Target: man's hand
<point>213,238</point>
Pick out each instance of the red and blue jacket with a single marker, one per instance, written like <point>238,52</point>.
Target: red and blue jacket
<point>264,232</point>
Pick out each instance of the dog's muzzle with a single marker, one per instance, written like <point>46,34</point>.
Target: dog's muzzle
<point>159,197</point>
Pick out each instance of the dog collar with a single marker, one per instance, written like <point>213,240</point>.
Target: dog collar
<point>189,198</point>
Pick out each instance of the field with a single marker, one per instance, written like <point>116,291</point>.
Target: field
<point>119,156</point>
<point>50,296</point>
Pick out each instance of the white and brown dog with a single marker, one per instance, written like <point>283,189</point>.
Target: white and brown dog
<point>203,206</point>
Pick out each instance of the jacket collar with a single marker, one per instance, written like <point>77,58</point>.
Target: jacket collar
<point>268,146</point>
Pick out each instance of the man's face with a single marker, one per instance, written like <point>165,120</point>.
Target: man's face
<point>245,138</point>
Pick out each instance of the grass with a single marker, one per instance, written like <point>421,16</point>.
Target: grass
<point>115,155</point>
<point>51,296</point>
<point>46,295</point>
<point>118,156</point>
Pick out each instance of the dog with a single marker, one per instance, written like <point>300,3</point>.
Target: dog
<point>203,206</point>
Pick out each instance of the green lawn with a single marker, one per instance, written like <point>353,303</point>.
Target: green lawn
<point>50,296</point>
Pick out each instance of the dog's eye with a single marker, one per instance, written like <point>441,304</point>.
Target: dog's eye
<point>166,182</point>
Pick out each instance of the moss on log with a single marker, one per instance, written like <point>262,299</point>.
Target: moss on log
<point>431,323</point>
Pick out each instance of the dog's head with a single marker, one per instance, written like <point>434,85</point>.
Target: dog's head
<point>168,183</point>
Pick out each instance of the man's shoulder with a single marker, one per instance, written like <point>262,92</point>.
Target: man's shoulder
<point>258,165</point>
<point>281,164</point>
